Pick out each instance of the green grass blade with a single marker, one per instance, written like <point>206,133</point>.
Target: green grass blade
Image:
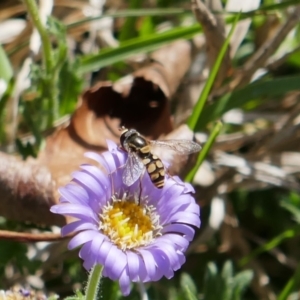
<point>197,111</point>
<point>202,155</point>
<point>290,233</point>
<point>255,90</point>
<point>128,30</point>
<point>292,284</point>
<point>6,71</point>
<point>128,13</point>
<point>7,94</point>
<point>133,13</point>
<point>109,56</point>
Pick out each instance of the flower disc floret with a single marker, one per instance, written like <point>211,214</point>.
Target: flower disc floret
<point>138,233</point>
<point>128,224</point>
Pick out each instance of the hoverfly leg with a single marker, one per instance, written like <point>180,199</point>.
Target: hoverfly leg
<point>110,174</point>
<point>140,193</point>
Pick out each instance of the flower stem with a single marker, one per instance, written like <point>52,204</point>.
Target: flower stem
<point>93,283</point>
<point>143,293</point>
<point>50,86</point>
<point>46,44</point>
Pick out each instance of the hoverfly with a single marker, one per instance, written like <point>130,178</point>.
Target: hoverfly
<point>140,156</point>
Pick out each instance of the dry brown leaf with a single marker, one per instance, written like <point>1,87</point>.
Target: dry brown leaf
<point>26,190</point>
<point>137,101</point>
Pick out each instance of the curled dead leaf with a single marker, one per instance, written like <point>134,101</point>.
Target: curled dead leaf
<point>139,101</point>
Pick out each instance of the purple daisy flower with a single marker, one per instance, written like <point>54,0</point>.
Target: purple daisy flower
<point>137,233</point>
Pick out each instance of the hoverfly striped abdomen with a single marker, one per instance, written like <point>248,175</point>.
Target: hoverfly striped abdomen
<point>132,142</point>
<point>155,169</point>
<point>140,156</point>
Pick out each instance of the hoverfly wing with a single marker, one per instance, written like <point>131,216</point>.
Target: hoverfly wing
<point>133,169</point>
<point>183,147</point>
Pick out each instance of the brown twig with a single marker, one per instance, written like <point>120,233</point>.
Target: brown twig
<point>214,31</point>
<point>260,57</point>
<point>27,237</point>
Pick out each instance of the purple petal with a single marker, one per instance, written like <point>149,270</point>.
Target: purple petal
<point>186,230</point>
<point>124,282</point>
<point>84,253</point>
<point>176,239</point>
<point>149,263</point>
<point>111,145</point>
<point>181,258</point>
<point>101,178</point>
<point>81,238</point>
<point>184,217</point>
<point>97,157</point>
<point>103,252</point>
<point>89,183</point>
<point>193,208</point>
<point>143,274</point>
<point>180,202</point>
<point>85,250</point>
<point>89,263</point>
<point>110,163</point>
<point>74,194</point>
<point>116,181</point>
<point>168,212</point>
<point>121,157</point>
<point>75,210</point>
<point>158,261</point>
<point>170,253</point>
<point>104,272</point>
<point>96,243</point>
<point>115,262</point>
<point>77,226</point>
<point>150,191</point>
<point>133,265</point>
<point>173,191</point>
<point>162,263</point>
<point>188,188</point>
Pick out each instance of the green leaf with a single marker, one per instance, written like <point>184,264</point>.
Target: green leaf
<point>7,94</point>
<point>6,71</point>
<point>226,275</point>
<point>188,287</point>
<point>262,88</point>
<point>197,110</point>
<point>240,283</point>
<point>293,209</point>
<point>212,283</point>
<point>292,284</point>
<point>109,56</point>
<point>70,86</point>
<point>224,286</point>
<point>53,297</point>
<point>188,294</point>
<point>227,271</point>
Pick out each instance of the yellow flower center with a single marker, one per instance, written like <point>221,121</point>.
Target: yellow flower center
<point>128,224</point>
